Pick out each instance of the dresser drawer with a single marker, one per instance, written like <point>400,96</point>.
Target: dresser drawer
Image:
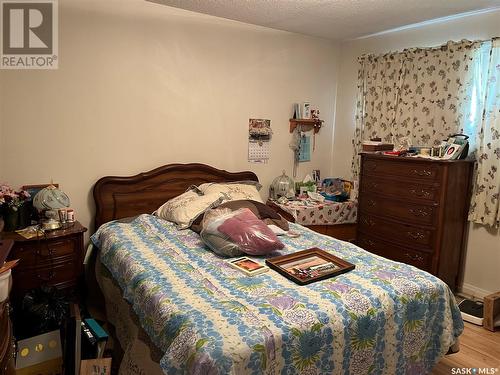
<point>400,189</point>
<point>408,212</point>
<point>34,253</point>
<point>419,259</point>
<point>66,271</point>
<point>398,232</point>
<point>401,169</point>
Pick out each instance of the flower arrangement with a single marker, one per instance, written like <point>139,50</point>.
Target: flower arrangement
<point>13,210</point>
<point>11,199</point>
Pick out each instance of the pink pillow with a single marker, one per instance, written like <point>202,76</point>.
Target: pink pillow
<point>250,233</point>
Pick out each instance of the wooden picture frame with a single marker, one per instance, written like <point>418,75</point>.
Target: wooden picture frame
<point>307,266</point>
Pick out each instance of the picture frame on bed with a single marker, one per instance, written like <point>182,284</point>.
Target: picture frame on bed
<point>247,266</point>
<point>307,266</point>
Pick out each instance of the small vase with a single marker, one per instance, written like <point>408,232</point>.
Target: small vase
<point>11,219</point>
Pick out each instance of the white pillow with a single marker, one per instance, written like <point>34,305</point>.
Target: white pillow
<point>185,208</point>
<point>233,191</point>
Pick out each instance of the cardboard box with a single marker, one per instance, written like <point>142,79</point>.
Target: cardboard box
<point>40,355</point>
<point>99,366</point>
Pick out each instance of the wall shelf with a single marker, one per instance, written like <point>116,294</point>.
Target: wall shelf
<point>307,123</point>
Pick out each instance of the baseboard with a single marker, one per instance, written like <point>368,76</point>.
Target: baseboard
<point>473,291</point>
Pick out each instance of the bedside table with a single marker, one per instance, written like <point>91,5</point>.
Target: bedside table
<point>53,259</point>
<point>334,219</point>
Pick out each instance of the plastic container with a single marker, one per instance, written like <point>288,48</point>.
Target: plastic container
<point>5,284</point>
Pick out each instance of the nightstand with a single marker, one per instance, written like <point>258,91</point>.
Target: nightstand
<point>333,219</point>
<point>53,259</point>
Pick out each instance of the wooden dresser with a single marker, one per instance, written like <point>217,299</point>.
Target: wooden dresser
<point>54,259</point>
<point>414,210</point>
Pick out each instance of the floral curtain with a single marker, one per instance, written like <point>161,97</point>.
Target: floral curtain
<point>416,94</point>
<point>378,80</point>
<point>485,200</point>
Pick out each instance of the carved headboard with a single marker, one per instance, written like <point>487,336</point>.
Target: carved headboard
<point>119,197</point>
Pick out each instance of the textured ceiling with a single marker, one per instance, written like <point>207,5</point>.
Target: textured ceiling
<point>332,19</point>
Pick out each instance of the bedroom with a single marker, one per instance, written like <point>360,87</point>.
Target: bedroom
<point>140,85</point>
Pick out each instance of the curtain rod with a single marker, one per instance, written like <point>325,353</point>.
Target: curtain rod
<point>442,46</point>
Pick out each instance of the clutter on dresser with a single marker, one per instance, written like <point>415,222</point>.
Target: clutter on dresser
<point>456,147</point>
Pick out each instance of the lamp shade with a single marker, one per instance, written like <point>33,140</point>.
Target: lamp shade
<point>50,198</point>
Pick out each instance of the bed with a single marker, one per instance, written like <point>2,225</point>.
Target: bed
<point>178,308</point>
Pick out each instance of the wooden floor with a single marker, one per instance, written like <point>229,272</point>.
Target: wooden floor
<point>479,348</point>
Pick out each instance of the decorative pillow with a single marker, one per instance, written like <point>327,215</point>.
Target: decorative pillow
<point>185,208</point>
<point>263,212</point>
<point>234,190</point>
<point>229,233</point>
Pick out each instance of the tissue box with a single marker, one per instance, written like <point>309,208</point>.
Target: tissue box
<point>40,355</point>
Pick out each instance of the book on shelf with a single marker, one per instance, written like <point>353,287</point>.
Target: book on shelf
<point>96,337</point>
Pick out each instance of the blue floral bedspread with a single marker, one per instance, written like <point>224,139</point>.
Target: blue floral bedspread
<point>383,317</point>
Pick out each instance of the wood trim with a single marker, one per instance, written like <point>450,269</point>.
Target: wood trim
<point>491,310</point>
<point>118,197</point>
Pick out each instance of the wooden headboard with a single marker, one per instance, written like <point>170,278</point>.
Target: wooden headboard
<point>119,197</point>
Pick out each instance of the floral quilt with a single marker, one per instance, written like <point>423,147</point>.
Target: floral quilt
<point>383,317</point>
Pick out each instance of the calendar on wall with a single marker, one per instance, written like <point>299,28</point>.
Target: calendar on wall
<point>259,151</point>
<point>259,137</point>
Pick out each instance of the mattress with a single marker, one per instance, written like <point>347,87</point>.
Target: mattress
<point>205,317</point>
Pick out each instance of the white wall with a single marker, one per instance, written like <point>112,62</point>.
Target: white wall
<point>141,85</point>
<point>483,249</point>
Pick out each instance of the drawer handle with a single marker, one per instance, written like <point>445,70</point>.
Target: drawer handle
<point>371,166</point>
<point>373,185</point>
<point>419,212</point>
<point>421,172</point>
<point>414,257</point>
<point>50,252</point>
<point>420,193</point>
<point>415,235</point>
<point>50,276</point>
<point>371,202</point>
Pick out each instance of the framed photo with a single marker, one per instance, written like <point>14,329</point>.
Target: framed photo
<point>307,266</point>
<point>453,151</point>
<point>247,266</point>
<point>306,110</point>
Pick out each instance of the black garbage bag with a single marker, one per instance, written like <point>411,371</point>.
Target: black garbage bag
<point>42,310</point>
